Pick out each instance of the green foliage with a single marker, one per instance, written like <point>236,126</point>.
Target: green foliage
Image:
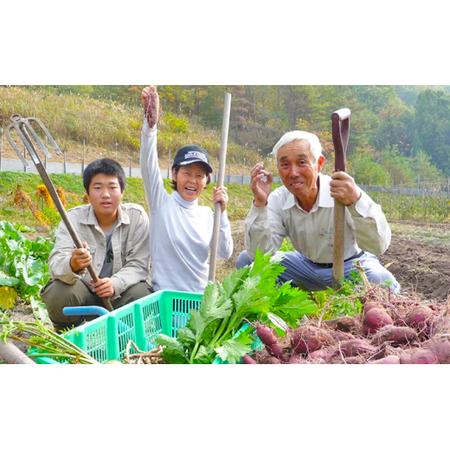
<point>423,167</point>
<point>247,294</point>
<point>368,172</point>
<point>432,125</point>
<point>413,207</point>
<point>23,263</point>
<point>407,119</point>
<point>398,167</point>
<point>345,301</point>
<point>176,124</point>
<point>395,130</point>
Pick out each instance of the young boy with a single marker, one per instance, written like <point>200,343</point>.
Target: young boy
<point>181,229</point>
<point>116,239</point>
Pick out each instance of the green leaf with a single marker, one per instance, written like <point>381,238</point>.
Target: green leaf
<point>291,304</point>
<point>213,305</point>
<point>197,324</point>
<point>251,298</point>
<point>6,280</point>
<point>204,356</point>
<point>234,281</point>
<point>24,260</point>
<point>32,272</point>
<point>234,349</point>
<point>186,337</point>
<point>173,351</point>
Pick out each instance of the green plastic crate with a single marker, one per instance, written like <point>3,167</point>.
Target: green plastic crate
<point>106,337</point>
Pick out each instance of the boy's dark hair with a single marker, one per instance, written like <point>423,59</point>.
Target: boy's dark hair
<point>106,166</point>
<point>173,183</point>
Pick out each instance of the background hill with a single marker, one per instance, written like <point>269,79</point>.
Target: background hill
<point>399,134</point>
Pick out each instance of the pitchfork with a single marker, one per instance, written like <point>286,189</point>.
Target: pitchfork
<point>23,126</point>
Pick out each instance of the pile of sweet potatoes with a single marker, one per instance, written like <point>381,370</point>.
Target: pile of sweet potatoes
<point>390,330</point>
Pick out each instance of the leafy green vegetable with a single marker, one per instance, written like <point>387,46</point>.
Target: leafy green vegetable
<point>345,301</point>
<point>23,263</point>
<point>248,294</point>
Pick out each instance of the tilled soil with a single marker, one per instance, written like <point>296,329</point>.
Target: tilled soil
<point>420,267</point>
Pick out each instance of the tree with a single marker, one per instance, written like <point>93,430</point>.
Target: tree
<point>395,129</point>
<point>432,126</point>
<point>398,167</point>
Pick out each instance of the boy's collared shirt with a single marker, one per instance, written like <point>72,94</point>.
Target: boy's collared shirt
<point>129,242</point>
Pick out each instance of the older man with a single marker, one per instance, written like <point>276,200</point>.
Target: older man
<point>302,209</point>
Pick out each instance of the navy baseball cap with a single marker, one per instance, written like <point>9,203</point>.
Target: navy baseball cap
<point>191,154</point>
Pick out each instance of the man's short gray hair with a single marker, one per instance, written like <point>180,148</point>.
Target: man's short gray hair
<point>296,135</point>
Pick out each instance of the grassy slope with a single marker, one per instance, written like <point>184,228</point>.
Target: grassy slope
<point>240,196</point>
<point>107,126</point>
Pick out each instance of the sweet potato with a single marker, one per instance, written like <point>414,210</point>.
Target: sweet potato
<point>246,359</point>
<point>391,359</point>
<point>341,335</point>
<point>360,359</point>
<point>354,347</point>
<point>395,335</point>
<point>440,346</point>
<point>323,354</point>
<point>307,339</point>
<point>270,340</point>
<point>269,360</point>
<point>440,325</point>
<point>374,319</point>
<point>344,323</point>
<point>419,356</point>
<point>369,305</point>
<point>297,359</point>
<point>317,361</point>
<point>420,318</point>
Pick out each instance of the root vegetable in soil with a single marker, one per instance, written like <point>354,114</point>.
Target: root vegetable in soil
<point>392,329</point>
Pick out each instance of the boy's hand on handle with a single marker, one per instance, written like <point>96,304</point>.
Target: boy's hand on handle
<point>150,103</point>
<point>344,189</point>
<point>260,184</point>
<point>103,288</point>
<point>220,195</point>
<point>81,258</point>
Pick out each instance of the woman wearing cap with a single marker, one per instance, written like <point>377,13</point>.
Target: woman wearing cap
<point>181,229</point>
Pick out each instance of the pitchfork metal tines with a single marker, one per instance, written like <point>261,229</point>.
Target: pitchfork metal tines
<point>31,131</point>
<point>30,136</point>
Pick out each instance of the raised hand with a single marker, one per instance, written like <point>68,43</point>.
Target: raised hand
<point>150,102</point>
<point>260,184</point>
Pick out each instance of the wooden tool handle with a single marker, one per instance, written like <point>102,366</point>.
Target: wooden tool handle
<point>12,355</point>
<point>340,126</point>
<point>220,182</point>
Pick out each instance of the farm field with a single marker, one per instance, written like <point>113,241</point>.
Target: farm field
<point>418,255</point>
